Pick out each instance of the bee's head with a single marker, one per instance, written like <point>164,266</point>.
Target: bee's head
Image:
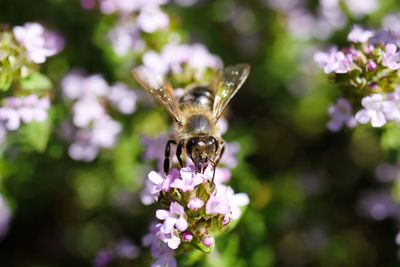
<point>201,150</point>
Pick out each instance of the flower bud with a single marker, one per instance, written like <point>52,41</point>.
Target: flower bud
<point>187,236</point>
<point>371,66</point>
<point>208,241</point>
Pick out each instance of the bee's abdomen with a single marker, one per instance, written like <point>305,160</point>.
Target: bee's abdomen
<point>198,96</point>
<point>198,124</point>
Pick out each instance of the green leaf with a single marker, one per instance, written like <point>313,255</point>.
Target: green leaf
<point>36,82</point>
<point>5,81</point>
<point>36,134</point>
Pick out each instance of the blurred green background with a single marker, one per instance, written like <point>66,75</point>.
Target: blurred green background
<point>305,183</point>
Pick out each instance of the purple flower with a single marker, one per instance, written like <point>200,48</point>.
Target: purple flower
<point>195,204</point>
<point>229,159</point>
<point>341,115</point>
<point>391,58</point>
<point>226,202</point>
<point>334,61</point>
<point>23,109</point>
<point>188,180</point>
<point>82,150</point>
<point>125,249</point>
<point>39,43</point>
<point>122,98</point>
<point>87,110</point>
<point>125,37</point>
<point>152,19</point>
<point>105,131</point>
<point>174,57</point>
<point>373,111</point>
<point>171,239</point>
<point>10,118</point>
<point>166,259</point>
<point>387,173</point>
<point>120,6</point>
<point>359,35</point>
<point>218,204</point>
<point>160,183</point>
<point>76,86</point>
<point>361,8</point>
<point>175,217</point>
<point>160,250</point>
<point>146,197</point>
<point>378,205</point>
<point>103,258</point>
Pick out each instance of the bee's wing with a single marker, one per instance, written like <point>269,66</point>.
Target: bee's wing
<point>163,92</point>
<point>231,79</point>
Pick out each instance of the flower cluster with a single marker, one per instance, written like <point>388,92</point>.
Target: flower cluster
<point>22,48</point>
<point>328,17</point>
<point>135,18</point>
<point>193,209</point>
<point>18,110</point>
<point>38,42</point>
<point>189,60</point>
<point>368,74</point>
<point>92,126</point>
<point>124,249</point>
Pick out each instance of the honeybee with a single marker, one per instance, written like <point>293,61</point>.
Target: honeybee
<point>196,113</point>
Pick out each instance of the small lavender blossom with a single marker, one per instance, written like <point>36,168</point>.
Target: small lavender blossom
<point>334,61</point>
<point>175,217</point>
<point>161,183</point>
<point>229,158</point>
<point>76,86</point>
<point>391,58</point>
<point>83,151</point>
<point>103,258</point>
<point>87,110</point>
<point>195,204</point>
<point>359,35</point>
<point>123,99</point>
<point>378,205</point>
<point>152,19</point>
<point>125,249</point>
<point>27,109</point>
<point>188,181</point>
<point>341,115</point>
<point>373,111</point>
<point>174,57</point>
<point>361,8</point>
<point>166,259</point>
<point>125,37</point>
<point>105,131</point>
<point>171,239</point>
<point>226,202</point>
<point>39,43</point>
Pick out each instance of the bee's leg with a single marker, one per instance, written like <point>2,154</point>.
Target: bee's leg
<point>179,153</point>
<point>167,164</point>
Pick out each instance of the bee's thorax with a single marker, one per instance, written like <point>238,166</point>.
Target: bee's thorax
<point>198,96</point>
